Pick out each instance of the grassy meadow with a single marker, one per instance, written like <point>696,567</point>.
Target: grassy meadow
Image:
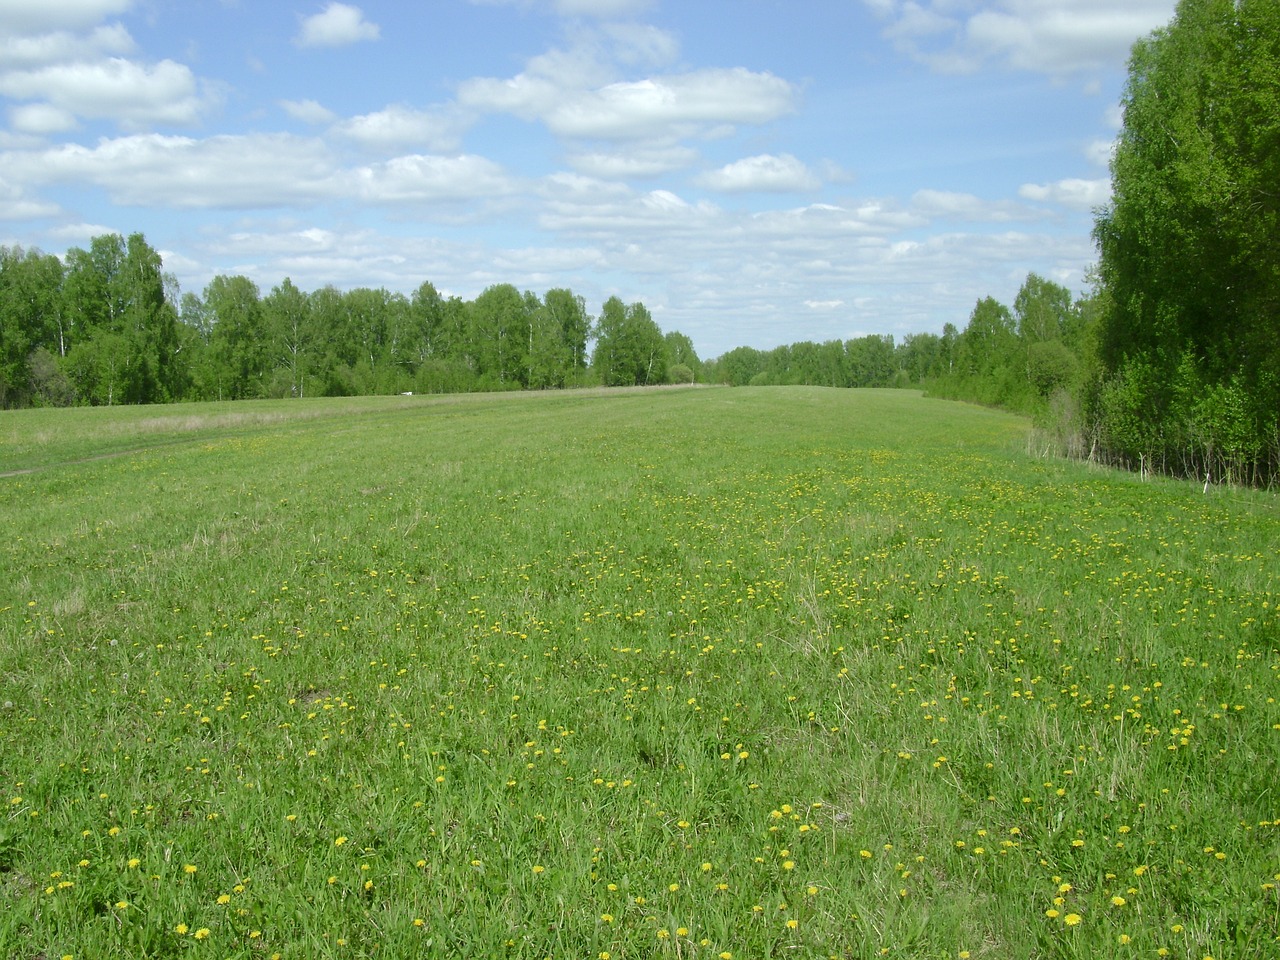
<point>698,673</point>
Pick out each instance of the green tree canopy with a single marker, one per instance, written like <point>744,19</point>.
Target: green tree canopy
<point>1190,245</point>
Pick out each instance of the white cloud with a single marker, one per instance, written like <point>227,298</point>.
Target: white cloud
<point>1075,193</point>
<point>637,163</point>
<point>951,205</point>
<point>25,16</point>
<point>400,126</point>
<point>20,52</point>
<point>1100,152</point>
<point>253,171</point>
<point>114,88</point>
<point>41,119</point>
<point>419,178</point>
<point>764,173</point>
<point>575,92</point>
<point>80,233</point>
<point>15,204</point>
<point>338,25</point>
<point>601,9</point>
<point>1056,37</point>
<point>308,111</point>
<point>156,170</point>
<point>656,213</point>
<point>673,107</point>
<point>546,81</point>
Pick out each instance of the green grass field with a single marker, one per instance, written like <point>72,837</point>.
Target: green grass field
<point>701,673</point>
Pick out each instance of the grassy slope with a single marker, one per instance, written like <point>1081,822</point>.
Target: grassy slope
<point>791,672</point>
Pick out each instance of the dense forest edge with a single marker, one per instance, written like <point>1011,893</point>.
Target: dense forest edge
<point>1170,362</point>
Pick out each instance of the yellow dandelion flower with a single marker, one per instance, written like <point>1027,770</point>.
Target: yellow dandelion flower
<point>339,841</point>
<point>202,933</point>
<point>538,868</point>
<point>1071,919</point>
<point>188,868</point>
<point>181,929</point>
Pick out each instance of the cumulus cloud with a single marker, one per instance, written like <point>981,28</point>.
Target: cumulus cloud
<point>602,8</point>
<point>545,81</point>
<point>599,9</point>
<point>1075,193</point>
<point>308,111</point>
<point>26,51</point>
<point>251,171</point>
<point>114,88</point>
<point>41,119</point>
<point>673,106</point>
<point>637,163</point>
<point>1057,37</point>
<point>158,170</point>
<point>338,25</point>
<point>952,205</point>
<point>576,92</point>
<point>15,204</point>
<point>399,126</point>
<point>765,173</point>
<point>422,178</point>
<point>22,16</point>
<point>67,69</point>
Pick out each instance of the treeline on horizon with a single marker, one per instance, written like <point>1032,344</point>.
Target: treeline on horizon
<point>106,325</point>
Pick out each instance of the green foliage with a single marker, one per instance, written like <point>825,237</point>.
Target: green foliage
<point>111,328</point>
<point>1050,366</point>
<point>680,373</point>
<point>1188,243</point>
<point>630,350</point>
<point>790,672</point>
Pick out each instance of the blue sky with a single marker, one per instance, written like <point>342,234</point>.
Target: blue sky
<point>757,172</point>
